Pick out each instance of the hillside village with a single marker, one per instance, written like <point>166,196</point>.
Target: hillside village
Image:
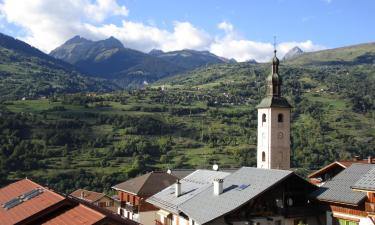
<point>272,193</point>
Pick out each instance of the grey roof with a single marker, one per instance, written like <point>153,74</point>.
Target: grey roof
<point>181,173</point>
<point>239,188</point>
<point>339,188</point>
<point>191,185</point>
<point>274,101</point>
<point>367,181</point>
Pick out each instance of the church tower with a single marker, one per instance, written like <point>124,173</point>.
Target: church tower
<point>273,148</point>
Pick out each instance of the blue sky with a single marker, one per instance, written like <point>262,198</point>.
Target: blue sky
<point>237,29</point>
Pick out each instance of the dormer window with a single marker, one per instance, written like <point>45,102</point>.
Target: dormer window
<point>280,118</point>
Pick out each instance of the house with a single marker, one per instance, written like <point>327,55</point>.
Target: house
<point>326,173</point>
<point>249,195</point>
<point>134,192</point>
<point>97,198</point>
<point>366,184</point>
<point>26,202</point>
<point>344,205</point>
<point>171,198</point>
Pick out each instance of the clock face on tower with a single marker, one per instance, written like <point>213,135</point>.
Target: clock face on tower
<point>280,135</point>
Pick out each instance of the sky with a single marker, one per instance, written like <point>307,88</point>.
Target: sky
<point>239,29</point>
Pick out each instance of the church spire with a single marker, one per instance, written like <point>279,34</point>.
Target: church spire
<point>274,79</point>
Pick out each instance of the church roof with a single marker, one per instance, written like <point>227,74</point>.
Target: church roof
<point>275,102</point>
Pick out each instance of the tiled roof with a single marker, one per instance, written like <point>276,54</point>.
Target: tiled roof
<point>191,185</point>
<point>273,101</point>
<point>147,184</point>
<point>339,188</point>
<point>367,181</point>
<point>90,196</point>
<point>79,214</point>
<point>27,208</point>
<point>48,207</point>
<point>239,188</point>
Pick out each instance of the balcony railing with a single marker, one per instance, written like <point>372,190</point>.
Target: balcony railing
<point>370,207</point>
<point>129,207</point>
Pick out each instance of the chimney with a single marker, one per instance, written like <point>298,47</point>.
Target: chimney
<point>218,186</point>
<point>82,194</point>
<point>178,188</point>
<point>369,159</point>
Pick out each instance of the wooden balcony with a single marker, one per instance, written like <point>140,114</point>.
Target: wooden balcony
<point>370,207</point>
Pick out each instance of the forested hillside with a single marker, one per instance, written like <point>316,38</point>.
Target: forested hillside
<point>188,121</point>
<point>27,72</point>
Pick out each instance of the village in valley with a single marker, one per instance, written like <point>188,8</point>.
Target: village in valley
<point>135,120</point>
<point>342,192</point>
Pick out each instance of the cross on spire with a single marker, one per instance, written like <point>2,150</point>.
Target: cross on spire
<point>274,44</point>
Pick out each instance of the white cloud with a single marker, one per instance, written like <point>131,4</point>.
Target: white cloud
<point>232,45</point>
<point>226,26</point>
<point>49,23</point>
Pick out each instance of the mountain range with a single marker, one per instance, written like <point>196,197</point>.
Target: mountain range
<point>28,72</point>
<point>111,60</point>
<point>82,65</point>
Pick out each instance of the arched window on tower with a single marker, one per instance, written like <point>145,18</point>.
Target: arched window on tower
<point>280,118</point>
<point>264,118</point>
<point>263,156</point>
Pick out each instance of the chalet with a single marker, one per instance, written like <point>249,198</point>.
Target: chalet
<point>26,202</point>
<point>342,203</point>
<point>249,195</point>
<point>97,198</point>
<point>133,193</point>
<point>171,198</point>
<point>326,173</point>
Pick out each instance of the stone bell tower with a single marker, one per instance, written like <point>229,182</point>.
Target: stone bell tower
<point>273,148</point>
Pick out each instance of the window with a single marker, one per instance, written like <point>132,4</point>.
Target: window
<point>280,118</point>
<point>264,119</point>
<point>263,156</point>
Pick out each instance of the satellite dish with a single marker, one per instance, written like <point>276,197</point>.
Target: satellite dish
<point>215,167</point>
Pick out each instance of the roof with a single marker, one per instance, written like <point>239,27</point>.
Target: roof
<point>78,214</point>
<point>191,185</point>
<point>25,209</point>
<point>147,184</point>
<point>342,163</point>
<point>339,188</point>
<point>40,205</point>
<point>273,101</point>
<point>90,196</point>
<point>181,173</point>
<point>367,181</point>
<point>239,188</point>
